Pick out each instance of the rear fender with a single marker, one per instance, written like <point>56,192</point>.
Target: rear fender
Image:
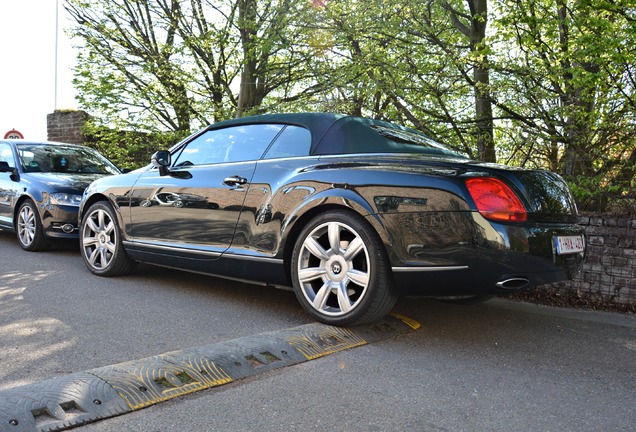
<point>330,199</point>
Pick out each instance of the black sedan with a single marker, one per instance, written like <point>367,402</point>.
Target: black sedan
<point>350,212</point>
<point>41,185</point>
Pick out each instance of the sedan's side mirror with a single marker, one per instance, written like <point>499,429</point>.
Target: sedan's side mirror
<point>4,167</point>
<point>162,160</point>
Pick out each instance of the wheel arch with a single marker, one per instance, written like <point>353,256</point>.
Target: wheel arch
<point>353,203</point>
<point>17,206</point>
<point>96,197</point>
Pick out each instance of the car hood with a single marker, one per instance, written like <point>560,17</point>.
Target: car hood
<point>61,180</point>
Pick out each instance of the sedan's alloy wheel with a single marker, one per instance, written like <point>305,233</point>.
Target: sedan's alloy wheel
<point>29,228</point>
<point>26,225</point>
<point>340,271</point>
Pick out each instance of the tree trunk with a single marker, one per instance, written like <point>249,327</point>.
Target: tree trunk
<point>481,76</point>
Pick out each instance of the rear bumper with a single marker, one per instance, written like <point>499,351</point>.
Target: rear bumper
<point>481,278</point>
<point>472,256</point>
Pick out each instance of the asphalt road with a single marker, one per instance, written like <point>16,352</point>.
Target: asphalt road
<point>499,366</point>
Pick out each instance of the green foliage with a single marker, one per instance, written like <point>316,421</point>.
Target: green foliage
<point>128,149</point>
<point>596,195</point>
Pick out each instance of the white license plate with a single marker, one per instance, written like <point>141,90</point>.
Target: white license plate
<point>569,244</point>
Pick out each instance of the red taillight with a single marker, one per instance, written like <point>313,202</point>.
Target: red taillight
<point>495,200</point>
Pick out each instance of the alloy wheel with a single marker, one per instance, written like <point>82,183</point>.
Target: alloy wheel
<point>27,225</point>
<point>334,269</point>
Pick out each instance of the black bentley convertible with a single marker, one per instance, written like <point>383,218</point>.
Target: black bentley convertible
<point>350,212</point>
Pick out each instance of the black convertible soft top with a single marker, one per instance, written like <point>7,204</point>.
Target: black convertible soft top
<point>344,134</point>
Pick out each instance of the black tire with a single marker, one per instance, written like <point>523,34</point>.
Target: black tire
<point>348,286</point>
<point>29,229</point>
<point>101,244</point>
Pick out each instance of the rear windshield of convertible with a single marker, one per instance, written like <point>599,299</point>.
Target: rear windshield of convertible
<point>351,135</point>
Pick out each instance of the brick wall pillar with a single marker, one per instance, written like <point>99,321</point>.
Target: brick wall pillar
<point>66,126</point>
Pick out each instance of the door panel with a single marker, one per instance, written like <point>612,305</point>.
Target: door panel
<point>192,208</point>
<point>197,205</point>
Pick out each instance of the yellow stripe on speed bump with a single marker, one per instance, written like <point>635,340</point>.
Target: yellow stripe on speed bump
<point>76,399</point>
<point>317,340</point>
<point>159,378</point>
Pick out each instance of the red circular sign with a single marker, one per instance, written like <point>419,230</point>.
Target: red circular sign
<point>13,134</point>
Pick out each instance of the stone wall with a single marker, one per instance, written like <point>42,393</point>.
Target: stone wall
<point>66,126</point>
<point>609,271</point>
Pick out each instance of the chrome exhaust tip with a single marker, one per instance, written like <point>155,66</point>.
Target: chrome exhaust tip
<point>514,283</point>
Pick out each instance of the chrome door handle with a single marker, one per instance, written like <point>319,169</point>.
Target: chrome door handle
<point>235,181</point>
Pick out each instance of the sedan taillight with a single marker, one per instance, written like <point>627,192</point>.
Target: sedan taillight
<point>495,200</point>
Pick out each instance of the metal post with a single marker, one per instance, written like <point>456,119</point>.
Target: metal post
<point>57,7</point>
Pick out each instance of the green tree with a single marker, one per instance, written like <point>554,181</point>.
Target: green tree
<point>178,65</point>
<point>566,83</point>
<point>130,67</point>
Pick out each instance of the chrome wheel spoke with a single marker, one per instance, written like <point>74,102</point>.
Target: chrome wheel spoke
<point>103,257</point>
<point>315,249</point>
<point>110,247</point>
<point>90,241</point>
<point>91,225</point>
<point>322,295</point>
<point>334,237</point>
<point>343,297</point>
<point>311,273</point>
<point>358,277</point>
<point>353,249</point>
<point>109,228</point>
<point>92,256</point>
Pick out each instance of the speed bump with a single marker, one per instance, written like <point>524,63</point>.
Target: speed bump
<point>59,403</point>
<point>76,399</point>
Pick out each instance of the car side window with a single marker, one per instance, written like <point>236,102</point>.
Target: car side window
<point>231,144</point>
<point>293,141</point>
<point>6,155</point>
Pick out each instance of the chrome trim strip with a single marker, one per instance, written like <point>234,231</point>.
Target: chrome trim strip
<point>253,258</point>
<point>230,255</point>
<point>428,269</point>
<point>152,245</point>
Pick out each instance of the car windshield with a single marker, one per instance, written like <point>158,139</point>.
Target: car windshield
<point>60,158</point>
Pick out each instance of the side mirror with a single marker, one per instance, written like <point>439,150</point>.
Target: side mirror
<point>4,167</point>
<point>162,160</point>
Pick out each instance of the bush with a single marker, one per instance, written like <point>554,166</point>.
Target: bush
<point>128,149</point>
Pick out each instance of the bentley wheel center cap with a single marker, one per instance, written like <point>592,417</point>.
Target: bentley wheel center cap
<point>336,268</point>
